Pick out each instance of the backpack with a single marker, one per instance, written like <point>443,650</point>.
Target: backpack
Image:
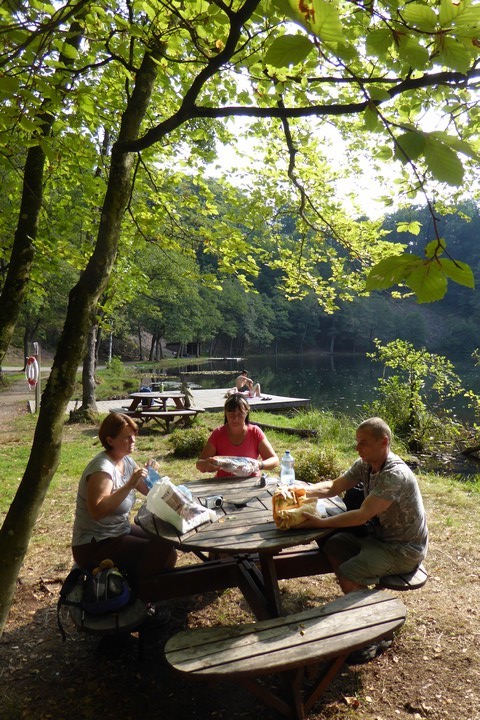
<point>101,593</point>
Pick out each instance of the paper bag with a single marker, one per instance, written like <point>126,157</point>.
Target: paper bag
<point>288,504</point>
<point>169,503</point>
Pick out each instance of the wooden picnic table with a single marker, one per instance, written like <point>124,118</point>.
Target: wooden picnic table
<point>160,413</point>
<point>163,397</point>
<point>245,532</point>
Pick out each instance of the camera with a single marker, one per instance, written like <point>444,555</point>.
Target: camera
<point>213,501</point>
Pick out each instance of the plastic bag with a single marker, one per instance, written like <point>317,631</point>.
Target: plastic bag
<point>288,504</point>
<point>240,466</point>
<point>169,503</point>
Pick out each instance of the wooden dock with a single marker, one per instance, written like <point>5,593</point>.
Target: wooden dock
<point>211,400</point>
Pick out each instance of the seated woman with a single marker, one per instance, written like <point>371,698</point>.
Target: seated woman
<point>106,494</point>
<point>236,437</point>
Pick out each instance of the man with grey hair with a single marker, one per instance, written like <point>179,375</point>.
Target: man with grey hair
<point>392,510</point>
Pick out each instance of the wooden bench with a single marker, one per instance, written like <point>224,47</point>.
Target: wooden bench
<point>166,416</point>
<point>405,581</point>
<point>288,645</point>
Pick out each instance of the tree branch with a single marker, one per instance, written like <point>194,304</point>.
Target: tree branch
<point>190,110</point>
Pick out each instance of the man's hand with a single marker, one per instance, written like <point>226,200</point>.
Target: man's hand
<point>312,520</point>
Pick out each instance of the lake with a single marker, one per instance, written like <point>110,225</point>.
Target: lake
<point>342,383</point>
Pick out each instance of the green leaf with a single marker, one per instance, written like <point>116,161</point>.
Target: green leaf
<point>326,22</point>
<point>454,55</point>
<point>448,12</point>
<point>468,18</point>
<point>378,41</point>
<point>288,50</point>
<point>371,119</point>
<point>411,51</point>
<point>8,84</point>
<point>413,227</point>
<point>459,272</point>
<point>456,144</point>
<point>391,271</point>
<point>420,16</point>
<point>443,162</point>
<point>409,146</point>
<point>435,248</point>
<point>69,51</point>
<point>379,93</point>
<point>428,282</point>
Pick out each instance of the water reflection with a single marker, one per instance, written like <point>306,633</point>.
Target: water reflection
<point>344,383</point>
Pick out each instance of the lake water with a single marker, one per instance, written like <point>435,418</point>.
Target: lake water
<point>340,382</point>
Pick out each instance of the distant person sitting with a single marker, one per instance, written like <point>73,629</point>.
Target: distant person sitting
<point>245,384</point>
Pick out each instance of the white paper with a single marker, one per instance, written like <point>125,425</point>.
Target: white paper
<point>168,503</point>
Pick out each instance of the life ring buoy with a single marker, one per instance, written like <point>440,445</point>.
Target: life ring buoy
<point>31,371</point>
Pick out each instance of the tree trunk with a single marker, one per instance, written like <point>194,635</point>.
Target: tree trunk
<point>140,343</point>
<point>20,520</point>
<point>88,410</point>
<point>23,249</point>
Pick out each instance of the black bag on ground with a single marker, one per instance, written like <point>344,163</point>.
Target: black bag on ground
<point>100,593</point>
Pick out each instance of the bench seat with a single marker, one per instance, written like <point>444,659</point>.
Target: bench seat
<point>288,645</point>
<point>405,581</point>
<point>167,416</point>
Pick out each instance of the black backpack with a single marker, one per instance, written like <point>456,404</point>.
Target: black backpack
<point>101,593</point>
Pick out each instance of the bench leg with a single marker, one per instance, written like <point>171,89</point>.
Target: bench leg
<point>298,707</point>
<point>268,697</point>
<point>325,679</point>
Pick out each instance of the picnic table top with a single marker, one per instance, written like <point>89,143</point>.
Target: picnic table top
<point>244,524</point>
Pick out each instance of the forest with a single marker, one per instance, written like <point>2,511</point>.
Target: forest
<point>186,305</point>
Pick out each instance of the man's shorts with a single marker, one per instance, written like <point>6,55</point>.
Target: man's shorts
<point>364,560</point>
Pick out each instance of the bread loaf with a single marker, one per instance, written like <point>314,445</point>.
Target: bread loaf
<point>288,504</point>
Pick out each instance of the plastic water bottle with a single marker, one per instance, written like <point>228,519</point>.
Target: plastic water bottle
<point>287,473</point>
<point>152,477</point>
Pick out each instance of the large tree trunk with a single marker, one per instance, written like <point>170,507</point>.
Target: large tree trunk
<point>45,453</point>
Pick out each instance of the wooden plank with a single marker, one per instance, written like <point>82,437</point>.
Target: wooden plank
<point>285,643</point>
<point>405,581</point>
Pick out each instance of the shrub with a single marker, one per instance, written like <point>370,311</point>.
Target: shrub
<point>316,464</point>
<point>188,443</point>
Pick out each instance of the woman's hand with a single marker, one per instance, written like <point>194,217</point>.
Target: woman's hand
<point>137,476</point>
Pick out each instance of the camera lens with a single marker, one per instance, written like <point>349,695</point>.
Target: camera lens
<point>218,501</point>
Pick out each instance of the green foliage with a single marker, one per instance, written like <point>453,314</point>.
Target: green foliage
<point>188,443</point>
<point>115,368</point>
<point>403,401</point>
<point>317,463</point>
<point>427,277</point>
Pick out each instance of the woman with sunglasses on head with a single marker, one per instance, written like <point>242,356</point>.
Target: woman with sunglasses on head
<point>105,497</point>
<point>237,438</point>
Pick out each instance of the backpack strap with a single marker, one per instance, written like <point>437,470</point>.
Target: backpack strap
<point>69,584</point>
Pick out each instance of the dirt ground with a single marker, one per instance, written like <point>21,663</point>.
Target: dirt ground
<point>432,671</point>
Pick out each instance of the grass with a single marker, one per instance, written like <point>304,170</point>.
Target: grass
<point>331,451</point>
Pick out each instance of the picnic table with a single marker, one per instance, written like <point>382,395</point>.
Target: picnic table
<point>245,536</point>
<point>144,409</point>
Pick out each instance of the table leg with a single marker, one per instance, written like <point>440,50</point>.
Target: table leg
<point>270,581</point>
<point>260,588</point>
